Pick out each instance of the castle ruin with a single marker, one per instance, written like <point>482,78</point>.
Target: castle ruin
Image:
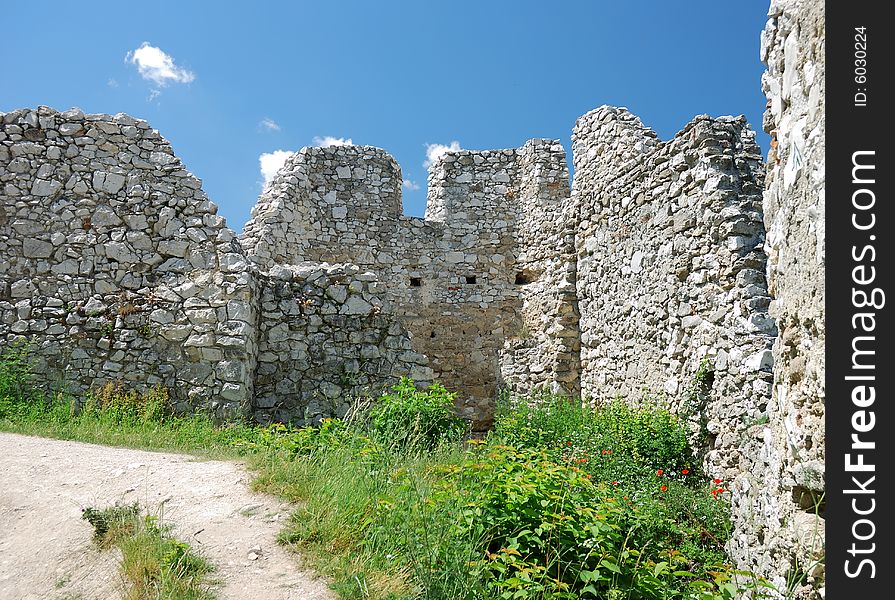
<point>687,272</point>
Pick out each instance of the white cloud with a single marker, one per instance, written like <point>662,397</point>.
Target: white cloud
<point>271,162</point>
<point>268,124</point>
<point>112,83</point>
<point>153,94</point>
<point>155,65</point>
<point>434,151</point>
<point>408,184</point>
<point>328,140</point>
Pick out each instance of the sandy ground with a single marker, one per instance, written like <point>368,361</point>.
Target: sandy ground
<point>46,550</point>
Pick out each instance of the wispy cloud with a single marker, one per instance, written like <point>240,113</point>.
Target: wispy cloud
<point>112,83</point>
<point>271,162</point>
<point>153,94</point>
<point>156,66</point>
<point>268,124</point>
<point>408,184</point>
<point>434,151</point>
<point>328,140</point>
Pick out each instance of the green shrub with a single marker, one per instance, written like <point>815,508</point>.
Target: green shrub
<point>408,417</point>
<point>653,437</point>
<point>639,440</point>
<point>512,523</point>
<point>17,393</point>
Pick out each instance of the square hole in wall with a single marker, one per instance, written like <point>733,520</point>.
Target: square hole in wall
<point>470,279</point>
<point>416,281</point>
<point>525,277</point>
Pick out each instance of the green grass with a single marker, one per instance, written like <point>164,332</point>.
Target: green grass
<point>558,501</point>
<point>58,416</point>
<point>154,563</point>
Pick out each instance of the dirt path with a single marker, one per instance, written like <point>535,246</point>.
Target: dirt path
<point>46,550</point>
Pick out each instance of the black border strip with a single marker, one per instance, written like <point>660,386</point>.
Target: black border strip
<point>859,258</point>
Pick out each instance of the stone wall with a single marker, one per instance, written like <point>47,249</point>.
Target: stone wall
<point>671,268</point>
<point>544,354</point>
<point>114,263</point>
<point>460,279</point>
<point>114,266</point>
<point>779,498</point>
<point>671,279</point>
<point>326,338</point>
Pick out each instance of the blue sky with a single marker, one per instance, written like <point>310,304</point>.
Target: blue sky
<point>226,83</point>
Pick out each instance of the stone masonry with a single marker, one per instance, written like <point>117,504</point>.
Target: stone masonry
<point>115,267</point>
<point>684,272</point>
<point>325,339</point>
<point>481,268</point>
<point>671,273</point>
<point>115,264</point>
<point>779,500</point>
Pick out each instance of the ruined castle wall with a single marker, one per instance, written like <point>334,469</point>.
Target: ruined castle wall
<point>671,273</point>
<point>782,529</point>
<point>326,338</point>
<point>115,265</point>
<point>450,276</point>
<point>544,353</point>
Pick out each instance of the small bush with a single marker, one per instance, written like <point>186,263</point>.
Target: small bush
<point>408,417</point>
<point>111,524</point>
<point>505,522</point>
<point>155,563</point>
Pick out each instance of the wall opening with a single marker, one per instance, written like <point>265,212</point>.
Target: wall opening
<point>470,279</point>
<point>416,281</point>
<point>525,277</point>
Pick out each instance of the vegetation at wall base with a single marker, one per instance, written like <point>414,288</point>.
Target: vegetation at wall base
<point>558,501</point>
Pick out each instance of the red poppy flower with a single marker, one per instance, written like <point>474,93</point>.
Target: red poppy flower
<point>614,483</point>
<point>684,471</point>
<point>663,488</point>
<point>717,481</point>
<point>659,473</point>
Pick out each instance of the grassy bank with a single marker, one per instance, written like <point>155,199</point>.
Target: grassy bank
<point>557,501</point>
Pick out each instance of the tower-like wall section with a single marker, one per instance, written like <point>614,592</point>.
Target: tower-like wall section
<point>544,353</point>
<point>671,277</point>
